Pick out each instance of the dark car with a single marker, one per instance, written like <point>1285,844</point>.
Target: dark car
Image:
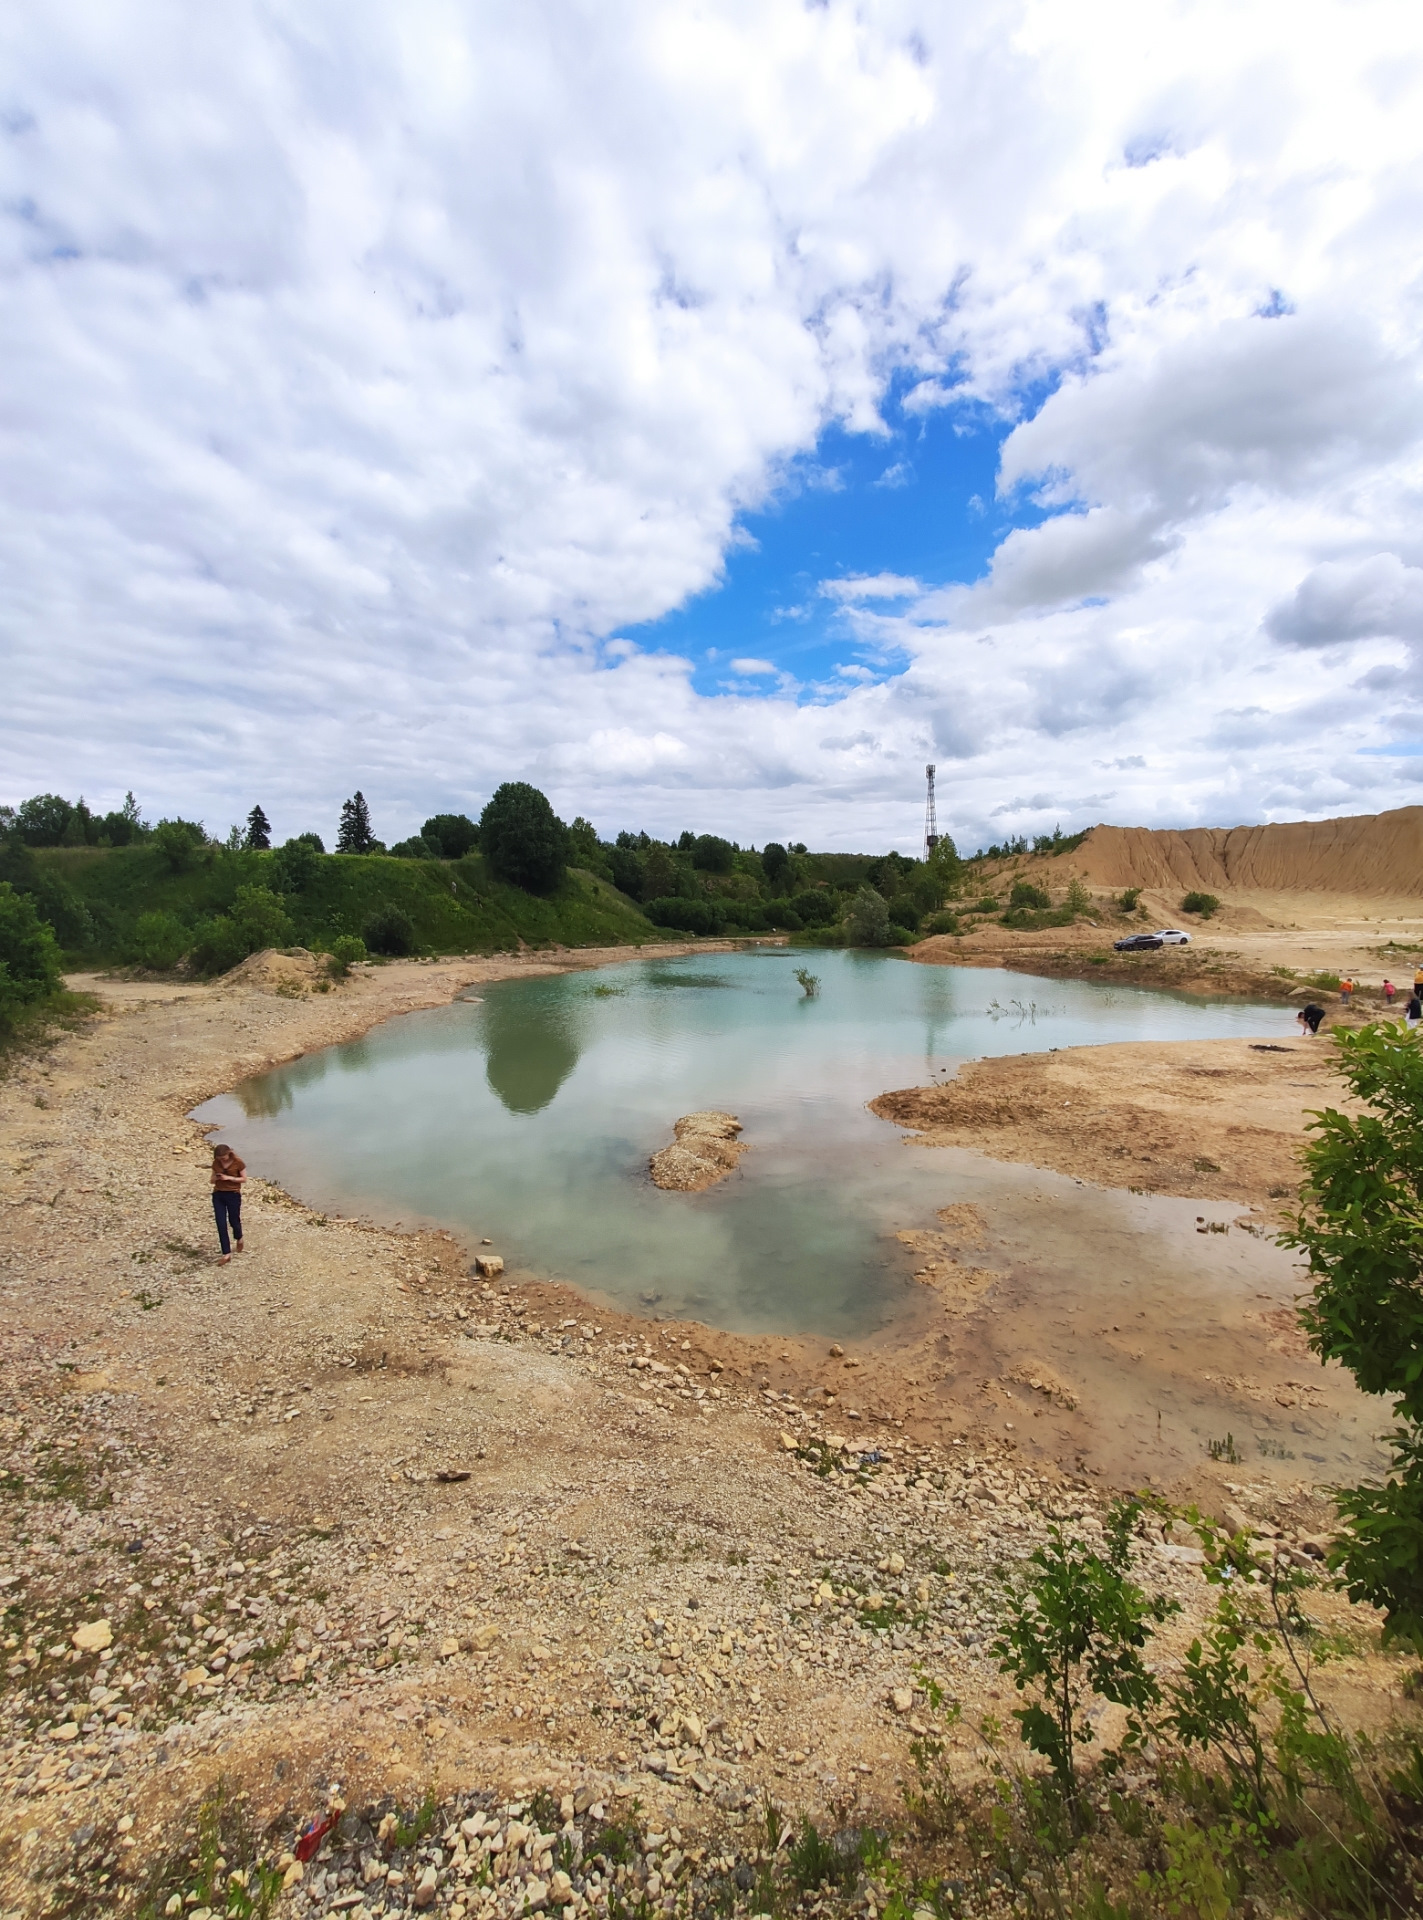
<point>1139,943</point>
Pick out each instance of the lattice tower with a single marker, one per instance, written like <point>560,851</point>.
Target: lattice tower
<point>931,825</point>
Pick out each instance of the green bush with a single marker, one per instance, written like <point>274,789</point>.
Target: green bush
<point>689,916</point>
<point>180,842</point>
<point>1024,894</point>
<point>296,865</point>
<point>1075,1627</point>
<point>217,946</point>
<point>1205,904</point>
<point>523,840</point>
<point>346,951</point>
<point>415,848</point>
<point>817,907</point>
<point>29,956</point>
<point>712,854</point>
<point>159,941</point>
<point>260,919</point>
<point>449,835</point>
<point>1358,1227</point>
<point>942,922</point>
<point>867,922</point>
<point>390,931</point>
<point>1128,900</point>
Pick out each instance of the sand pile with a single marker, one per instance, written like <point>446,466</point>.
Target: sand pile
<point>279,970</point>
<point>705,1151</point>
<point>1370,853</point>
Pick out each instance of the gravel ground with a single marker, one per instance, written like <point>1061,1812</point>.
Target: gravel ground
<point>340,1531</point>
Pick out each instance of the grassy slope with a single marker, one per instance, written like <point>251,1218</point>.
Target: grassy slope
<point>455,906</point>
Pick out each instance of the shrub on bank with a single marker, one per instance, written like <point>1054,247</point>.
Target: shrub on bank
<point>1204,904</point>
<point>159,941</point>
<point>391,931</point>
<point>29,957</point>
<point>688,916</point>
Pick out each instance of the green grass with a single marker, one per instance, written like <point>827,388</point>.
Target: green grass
<point>455,906</point>
<point>32,1028</point>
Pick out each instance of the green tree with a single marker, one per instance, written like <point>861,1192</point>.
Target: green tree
<point>296,864</point>
<point>159,941</point>
<point>390,931</point>
<point>522,838</point>
<point>1025,894</point>
<point>259,831</point>
<point>179,842</point>
<point>659,874</point>
<point>712,854</point>
<point>775,862</point>
<point>260,918</point>
<point>867,921</point>
<point>125,825</point>
<point>1360,1226</point>
<point>946,869</point>
<point>354,833</point>
<point>41,820</point>
<point>1075,1627</point>
<point>584,849</point>
<point>1205,904</point>
<point>29,955</point>
<point>449,835</point>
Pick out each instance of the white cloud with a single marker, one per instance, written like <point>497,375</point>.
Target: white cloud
<point>1363,600</point>
<point>873,586</point>
<point>753,668</point>
<point>364,375</point>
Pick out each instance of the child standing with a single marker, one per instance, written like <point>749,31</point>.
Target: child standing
<point>228,1174</point>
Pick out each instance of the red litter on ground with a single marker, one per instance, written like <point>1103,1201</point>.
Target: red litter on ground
<point>306,1847</point>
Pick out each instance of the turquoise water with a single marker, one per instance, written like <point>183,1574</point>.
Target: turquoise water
<point>528,1115</point>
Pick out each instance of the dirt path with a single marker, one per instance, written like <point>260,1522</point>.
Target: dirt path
<point>339,1521</point>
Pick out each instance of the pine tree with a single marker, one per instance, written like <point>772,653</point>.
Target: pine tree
<point>259,831</point>
<point>354,834</point>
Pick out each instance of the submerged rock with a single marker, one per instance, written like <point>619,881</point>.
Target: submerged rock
<point>705,1151</point>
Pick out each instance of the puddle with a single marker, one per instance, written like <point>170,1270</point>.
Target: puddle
<point>1115,1330</point>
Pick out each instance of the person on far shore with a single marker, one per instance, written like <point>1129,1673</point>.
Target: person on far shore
<point>1310,1018</point>
<point>1413,1012</point>
<point>1346,990</point>
<point>1389,993</point>
<point>228,1174</point>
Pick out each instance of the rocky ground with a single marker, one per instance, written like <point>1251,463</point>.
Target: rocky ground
<point>409,1589</point>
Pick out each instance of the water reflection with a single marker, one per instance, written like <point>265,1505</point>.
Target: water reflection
<point>531,1049</point>
<point>543,1144</point>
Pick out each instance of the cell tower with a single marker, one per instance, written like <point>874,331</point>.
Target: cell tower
<point>931,825</point>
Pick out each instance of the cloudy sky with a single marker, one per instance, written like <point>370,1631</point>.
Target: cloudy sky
<point>712,412</point>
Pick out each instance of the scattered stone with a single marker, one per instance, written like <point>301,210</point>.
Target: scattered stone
<point>901,1699</point>
<point>488,1265</point>
<point>94,1636</point>
<point>705,1151</point>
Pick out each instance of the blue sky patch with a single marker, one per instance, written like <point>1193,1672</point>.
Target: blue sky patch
<point>914,505</point>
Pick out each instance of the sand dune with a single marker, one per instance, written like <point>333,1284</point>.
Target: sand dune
<point>1378,854</point>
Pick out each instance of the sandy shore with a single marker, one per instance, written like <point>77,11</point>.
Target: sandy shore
<point>352,1516</point>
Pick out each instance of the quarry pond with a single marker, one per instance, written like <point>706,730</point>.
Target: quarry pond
<point>526,1115</point>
